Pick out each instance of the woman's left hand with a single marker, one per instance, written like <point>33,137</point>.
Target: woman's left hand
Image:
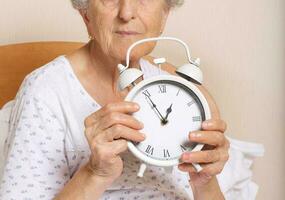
<point>213,156</point>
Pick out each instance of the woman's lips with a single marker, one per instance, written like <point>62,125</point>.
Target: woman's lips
<point>127,33</point>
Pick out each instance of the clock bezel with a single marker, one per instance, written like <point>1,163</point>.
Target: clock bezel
<point>178,80</point>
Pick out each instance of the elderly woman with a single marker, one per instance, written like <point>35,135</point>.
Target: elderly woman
<point>70,126</point>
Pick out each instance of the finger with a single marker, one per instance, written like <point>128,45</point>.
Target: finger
<point>118,146</point>
<point>186,167</point>
<point>209,170</point>
<point>123,107</point>
<point>119,131</point>
<point>214,125</point>
<point>119,118</point>
<point>201,156</point>
<point>213,169</point>
<point>106,152</point>
<point>208,137</point>
<point>89,131</point>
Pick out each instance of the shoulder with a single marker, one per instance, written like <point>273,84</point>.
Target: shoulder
<point>43,84</point>
<point>46,75</point>
<point>168,67</point>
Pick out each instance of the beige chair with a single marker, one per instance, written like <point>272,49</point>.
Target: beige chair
<point>17,60</point>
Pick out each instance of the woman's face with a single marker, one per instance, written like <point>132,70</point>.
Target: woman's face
<point>116,24</point>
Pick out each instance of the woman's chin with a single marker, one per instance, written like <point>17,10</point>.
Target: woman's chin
<point>120,53</point>
<point>120,50</point>
<point>132,58</point>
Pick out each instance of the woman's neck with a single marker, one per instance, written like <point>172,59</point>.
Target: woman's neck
<point>104,66</point>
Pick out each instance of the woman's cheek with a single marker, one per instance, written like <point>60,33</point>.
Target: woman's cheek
<point>104,35</point>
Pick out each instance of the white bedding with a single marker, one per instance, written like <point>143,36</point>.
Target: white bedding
<point>235,180</point>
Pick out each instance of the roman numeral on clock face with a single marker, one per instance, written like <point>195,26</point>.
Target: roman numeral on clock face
<point>149,150</point>
<point>166,153</point>
<point>146,93</point>
<point>178,92</point>
<point>162,88</point>
<point>183,148</point>
<point>190,103</point>
<point>196,119</point>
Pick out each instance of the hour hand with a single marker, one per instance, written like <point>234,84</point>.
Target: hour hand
<point>169,110</point>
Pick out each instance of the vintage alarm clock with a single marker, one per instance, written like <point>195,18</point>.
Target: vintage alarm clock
<point>170,107</point>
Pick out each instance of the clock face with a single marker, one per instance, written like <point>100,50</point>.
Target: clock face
<point>169,111</point>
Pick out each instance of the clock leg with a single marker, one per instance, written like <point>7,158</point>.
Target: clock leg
<point>141,170</point>
<point>197,167</point>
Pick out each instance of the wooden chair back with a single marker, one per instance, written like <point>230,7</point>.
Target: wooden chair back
<point>18,60</point>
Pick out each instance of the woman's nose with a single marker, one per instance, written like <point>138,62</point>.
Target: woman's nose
<point>128,10</point>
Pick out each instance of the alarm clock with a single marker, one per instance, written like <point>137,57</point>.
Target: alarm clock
<point>171,106</point>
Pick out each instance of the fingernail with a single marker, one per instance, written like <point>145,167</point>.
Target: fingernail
<point>137,106</point>
<point>141,124</point>
<point>206,124</point>
<point>186,156</point>
<point>144,136</point>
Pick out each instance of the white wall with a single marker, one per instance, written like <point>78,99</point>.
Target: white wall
<point>242,48</point>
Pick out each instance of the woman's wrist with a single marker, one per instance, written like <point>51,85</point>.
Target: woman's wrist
<point>97,178</point>
<point>210,190</point>
<point>85,185</point>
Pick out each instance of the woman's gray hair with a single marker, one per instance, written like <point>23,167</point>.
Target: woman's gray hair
<point>83,4</point>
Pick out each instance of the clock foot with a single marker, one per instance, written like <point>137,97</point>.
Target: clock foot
<point>141,170</point>
<point>197,167</point>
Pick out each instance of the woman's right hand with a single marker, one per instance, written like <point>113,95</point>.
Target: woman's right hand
<point>107,131</point>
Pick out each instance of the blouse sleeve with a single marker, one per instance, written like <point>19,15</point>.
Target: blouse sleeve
<point>36,165</point>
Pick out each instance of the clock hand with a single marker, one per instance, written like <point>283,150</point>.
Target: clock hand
<point>169,110</point>
<point>154,106</point>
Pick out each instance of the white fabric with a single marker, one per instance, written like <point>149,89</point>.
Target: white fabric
<point>4,125</point>
<point>47,145</point>
<point>236,178</point>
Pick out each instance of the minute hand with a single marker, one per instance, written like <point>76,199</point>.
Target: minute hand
<point>154,106</point>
